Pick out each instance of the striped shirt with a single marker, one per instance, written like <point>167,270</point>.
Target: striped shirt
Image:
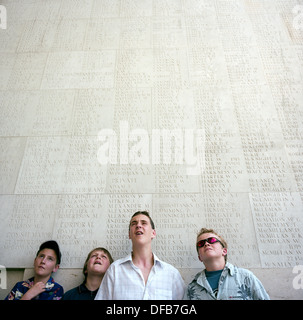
<point>124,281</point>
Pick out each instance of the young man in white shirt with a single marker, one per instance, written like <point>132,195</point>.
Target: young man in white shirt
<point>141,275</point>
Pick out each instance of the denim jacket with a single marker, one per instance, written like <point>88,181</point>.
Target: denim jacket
<point>234,284</point>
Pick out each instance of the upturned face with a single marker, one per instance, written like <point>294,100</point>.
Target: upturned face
<point>210,251</point>
<point>140,230</point>
<point>46,262</point>
<point>98,262</point>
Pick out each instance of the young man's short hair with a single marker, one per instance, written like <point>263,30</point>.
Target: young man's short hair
<point>147,215</point>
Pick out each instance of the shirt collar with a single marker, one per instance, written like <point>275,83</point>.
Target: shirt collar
<point>129,258</point>
<point>82,289</point>
<point>230,268</point>
<point>158,261</point>
<point>227,268</point>
<point>31,280</point>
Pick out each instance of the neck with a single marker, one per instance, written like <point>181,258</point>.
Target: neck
<point>93,282</point>
<point>43,279</point>
<point>143,257</point>
<point>214,265</point>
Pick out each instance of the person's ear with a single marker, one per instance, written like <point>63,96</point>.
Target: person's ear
<point>224,252</point>
<point>153,234</point>
<point>56,268</point>
<point>200,258</point>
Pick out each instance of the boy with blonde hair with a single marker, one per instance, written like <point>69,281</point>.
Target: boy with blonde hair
<point>220,280</point>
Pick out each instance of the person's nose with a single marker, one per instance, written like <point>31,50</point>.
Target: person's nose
<point>206,244</point>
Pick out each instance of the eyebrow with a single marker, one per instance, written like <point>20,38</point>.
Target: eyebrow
<point>46,255</point>
<point>96,252</point>
<point>136,221</point>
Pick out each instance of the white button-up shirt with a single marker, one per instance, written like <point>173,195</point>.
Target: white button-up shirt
<point>124,281</point>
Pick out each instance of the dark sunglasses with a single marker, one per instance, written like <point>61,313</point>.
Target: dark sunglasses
<point>210,240</point>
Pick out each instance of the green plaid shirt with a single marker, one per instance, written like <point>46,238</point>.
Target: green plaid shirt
<point>234,284</point>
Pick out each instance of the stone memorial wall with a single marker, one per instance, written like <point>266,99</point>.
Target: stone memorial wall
<point>190,109</point>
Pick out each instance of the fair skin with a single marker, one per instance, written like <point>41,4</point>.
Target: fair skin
<point>97,265</point>
<point>45,263</point>
<point>212,255</point>
<point>141,235</point>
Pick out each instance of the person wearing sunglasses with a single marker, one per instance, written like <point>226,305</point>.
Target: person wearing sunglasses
<point>221,280</point>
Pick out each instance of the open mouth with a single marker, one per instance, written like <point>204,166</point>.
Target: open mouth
<point>139,233</point>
